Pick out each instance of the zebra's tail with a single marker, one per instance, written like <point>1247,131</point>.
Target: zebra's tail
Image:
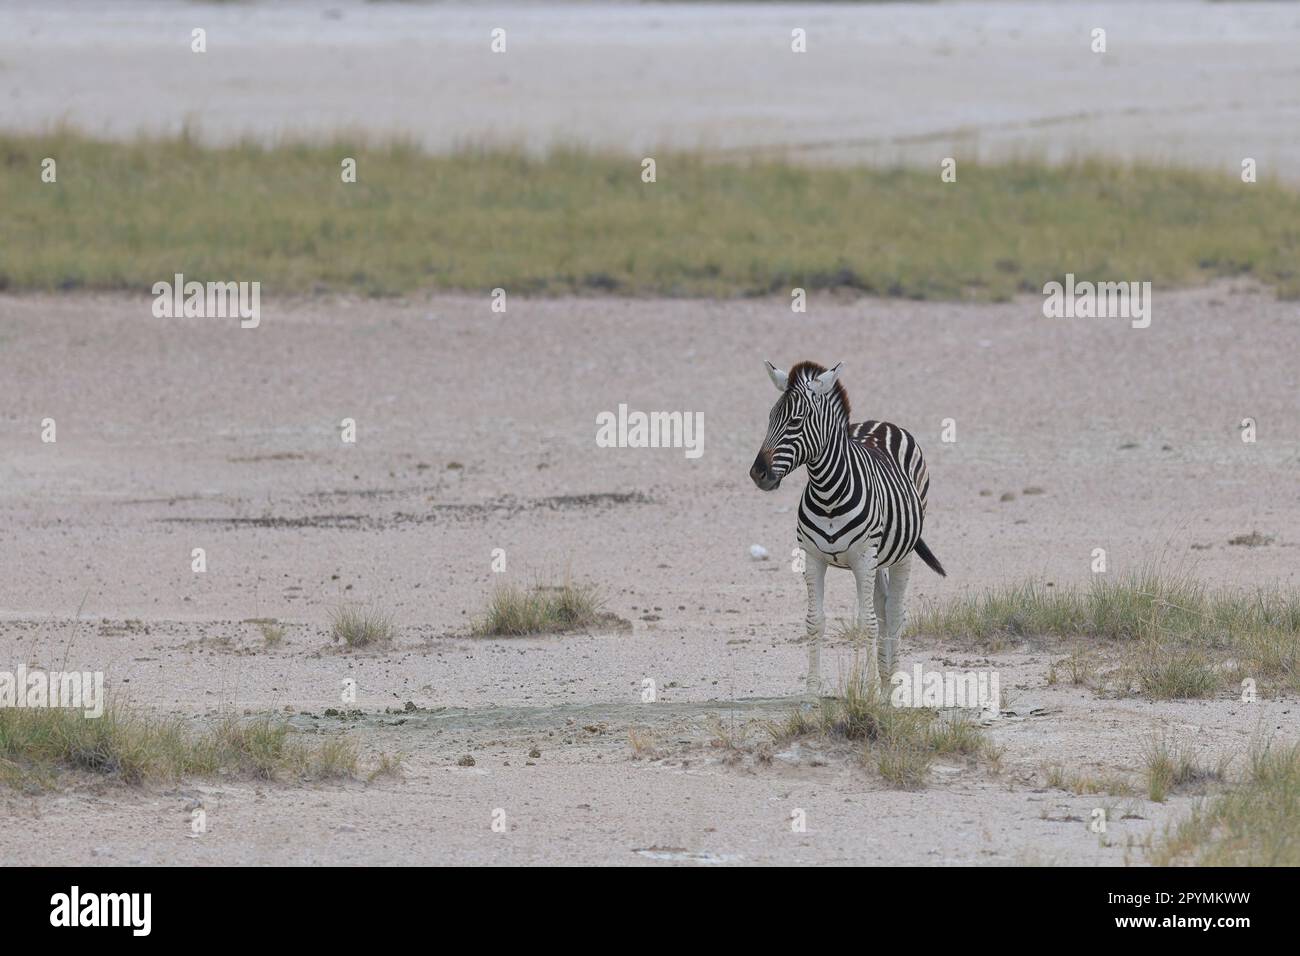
<point>928,557</point>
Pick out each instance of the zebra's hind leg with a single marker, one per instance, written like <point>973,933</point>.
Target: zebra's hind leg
<point>814,573</point>
<point>883,600</point>
<point>896,602</point>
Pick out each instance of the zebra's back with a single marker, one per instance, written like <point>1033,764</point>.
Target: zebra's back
<point>901,446</point>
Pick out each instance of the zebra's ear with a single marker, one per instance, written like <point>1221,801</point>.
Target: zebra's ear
<point>823,383</point>
<point>779,378</point>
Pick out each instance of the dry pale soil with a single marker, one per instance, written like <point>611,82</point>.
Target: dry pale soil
<point>476,431</point>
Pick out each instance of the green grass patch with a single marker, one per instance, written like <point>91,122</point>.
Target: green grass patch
<point>126,215</point>
<point>39,743</point>
<point>1255,822</point>
<point>1171,767</point>
<point>1168,670</point>
<point>513,611</point>
<point>1179,638</point>
<point>900,743</point>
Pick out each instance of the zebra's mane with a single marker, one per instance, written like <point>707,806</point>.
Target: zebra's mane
<point>809,371</point>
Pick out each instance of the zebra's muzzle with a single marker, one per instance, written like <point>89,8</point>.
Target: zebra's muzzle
<point>761,472</point>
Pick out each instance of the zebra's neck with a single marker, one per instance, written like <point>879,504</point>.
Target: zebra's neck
<point>830,474</point>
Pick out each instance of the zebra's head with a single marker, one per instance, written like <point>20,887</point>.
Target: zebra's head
<point>811,406</point>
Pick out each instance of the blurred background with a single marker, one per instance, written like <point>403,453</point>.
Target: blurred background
<point>1194,82</point>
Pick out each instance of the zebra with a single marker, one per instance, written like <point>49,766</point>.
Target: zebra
<point>862,509</point>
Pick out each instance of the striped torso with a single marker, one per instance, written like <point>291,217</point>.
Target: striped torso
<point>874,496</point>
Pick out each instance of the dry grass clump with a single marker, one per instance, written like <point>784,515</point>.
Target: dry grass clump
<point>272,633</point>
<point>36,744</point>
<point>361,626</point>
<point>1079,783</point>
<point>1171,767</point>
<point>513,611</point>
<point>1080,667</point>
<point>387,765</point>
<point>1254,822</point>
<point>899,742</point>
<point>644,744</point>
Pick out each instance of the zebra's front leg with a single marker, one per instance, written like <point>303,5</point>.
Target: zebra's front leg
<point>864,573</point>
<point>814,572</point>
<point>882,598</point>
<point>896,601</point>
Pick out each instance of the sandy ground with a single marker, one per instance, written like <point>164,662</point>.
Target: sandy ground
<point>477,431</point>
<point>1195,83</point>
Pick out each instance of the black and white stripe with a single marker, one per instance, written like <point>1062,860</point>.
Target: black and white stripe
<point>858,487</point>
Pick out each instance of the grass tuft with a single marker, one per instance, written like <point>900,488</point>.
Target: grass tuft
<point>361,626</point>
<point>272,633</point>
<point>1255,822</point>
<point>513,611</point>
<point>387,765</point>
<point>37,743</point>
<point>1171,767</point>
<point>1168,670</point>
<point>644,744</point>
<point>899,742</point>
<point>1059,778</point>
